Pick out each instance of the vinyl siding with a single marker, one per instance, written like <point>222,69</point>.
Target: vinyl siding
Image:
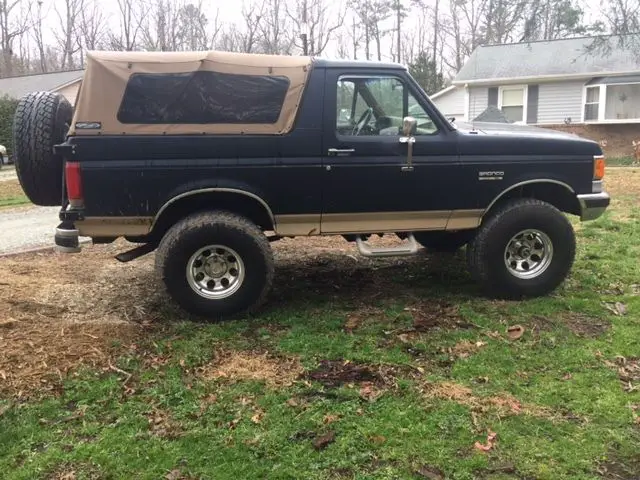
<point>478,101</point>
<point>70,92</point>
<point>451,104</point>
<point>558,101</point>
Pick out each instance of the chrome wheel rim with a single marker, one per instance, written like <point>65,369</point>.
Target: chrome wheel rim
<point>215,272</point>
<point>528,254</point>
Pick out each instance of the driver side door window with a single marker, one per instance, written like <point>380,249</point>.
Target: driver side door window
<point>376,106</point>
<point>369,106</point>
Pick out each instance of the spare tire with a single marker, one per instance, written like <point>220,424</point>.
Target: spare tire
<point>41,121</point>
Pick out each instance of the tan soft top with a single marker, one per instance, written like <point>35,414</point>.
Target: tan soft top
<point>108,73</point>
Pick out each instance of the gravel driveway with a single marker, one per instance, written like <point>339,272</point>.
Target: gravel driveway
<point>8,172</point>
<point>27,227</point>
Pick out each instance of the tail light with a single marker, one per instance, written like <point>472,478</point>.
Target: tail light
<point>598,167</point>
<point>74,183</point>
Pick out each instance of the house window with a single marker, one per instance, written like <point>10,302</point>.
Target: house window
<point>512,101</point>
<point>592,103</point>
<point>622,102</point>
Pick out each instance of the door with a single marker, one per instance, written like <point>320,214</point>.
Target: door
<point>367,187</point>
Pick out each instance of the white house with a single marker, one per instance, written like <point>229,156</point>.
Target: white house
<point>549,83</point>
<point>67,83</point>
<point>451,101</point>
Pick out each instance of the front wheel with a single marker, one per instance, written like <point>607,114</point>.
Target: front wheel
<point>526,249</point>
<point>216,264</point>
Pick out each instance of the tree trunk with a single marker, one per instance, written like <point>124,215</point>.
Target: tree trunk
<point>355,40</point>
<point>436,30</point>
<point>398,6</point>
<point>367,39</point>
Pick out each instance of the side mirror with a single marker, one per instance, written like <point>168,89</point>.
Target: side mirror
<point>409,126</point>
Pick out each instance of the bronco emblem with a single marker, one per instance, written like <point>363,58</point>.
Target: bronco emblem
<point>490,175</point>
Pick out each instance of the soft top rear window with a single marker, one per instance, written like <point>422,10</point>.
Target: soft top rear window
<point>202,97</point>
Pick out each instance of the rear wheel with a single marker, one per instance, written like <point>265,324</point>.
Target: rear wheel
<point>40,122</point>
<point>525,249</point>
<point>447,242</point>
<point>216,264</point>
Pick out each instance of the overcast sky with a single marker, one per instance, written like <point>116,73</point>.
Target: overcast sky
<point>230,12</point>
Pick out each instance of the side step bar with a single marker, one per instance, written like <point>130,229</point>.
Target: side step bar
<point>404,250</point>
<point>137,252</point>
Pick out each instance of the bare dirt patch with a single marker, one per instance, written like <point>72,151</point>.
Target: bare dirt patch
<point>620,469</point>
<point>425,316</point>
<point>75,471</point>
<point>430,315</point>
<point>372,380</point>
<point>331,267</point>
<point>262,367</point>
<point>586,326</point>
<point>333,373</point>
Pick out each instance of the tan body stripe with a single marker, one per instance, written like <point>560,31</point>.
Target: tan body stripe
<point>310,224</point>
<point>114,226</point>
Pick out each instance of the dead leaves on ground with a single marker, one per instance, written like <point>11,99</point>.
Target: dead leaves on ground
<point>372,381</point>
<point>488,445</point>
<point>424,316</point>
<point>330,419</point>
<point>503,405</point>
<point>75,471</point>
<point>618,308</point>
<point>163,425</point>
<point>369,392</point>
<point>628,372</point>
<point>635,412</point>
<point>361,316</point>
<point>515,332</point>
<point>177,474</point>
<point>430,473</point>
<point>333,373</point>
<point>323,441</point>
<point>465,348</point>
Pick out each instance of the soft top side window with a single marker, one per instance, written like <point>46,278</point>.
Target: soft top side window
<point>202,97</point>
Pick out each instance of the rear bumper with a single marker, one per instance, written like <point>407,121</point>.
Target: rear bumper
<point>593,205</point>
<point>67,238</point>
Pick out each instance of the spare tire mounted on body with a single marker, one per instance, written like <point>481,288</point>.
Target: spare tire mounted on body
<point>41,121</point>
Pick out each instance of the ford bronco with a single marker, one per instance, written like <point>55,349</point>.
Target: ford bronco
<point>207,157</point>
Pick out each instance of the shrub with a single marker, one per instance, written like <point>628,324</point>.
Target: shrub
<point>7,110</point>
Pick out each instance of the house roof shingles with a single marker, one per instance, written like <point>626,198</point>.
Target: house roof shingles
<point>567,57</point>
<point>16,87</point>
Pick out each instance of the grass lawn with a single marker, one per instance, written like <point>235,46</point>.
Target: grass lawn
<point>356,369</point>
<point>621,161</point>
<point>11,194</point>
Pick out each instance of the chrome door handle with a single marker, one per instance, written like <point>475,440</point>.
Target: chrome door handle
<point>341,151</point>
